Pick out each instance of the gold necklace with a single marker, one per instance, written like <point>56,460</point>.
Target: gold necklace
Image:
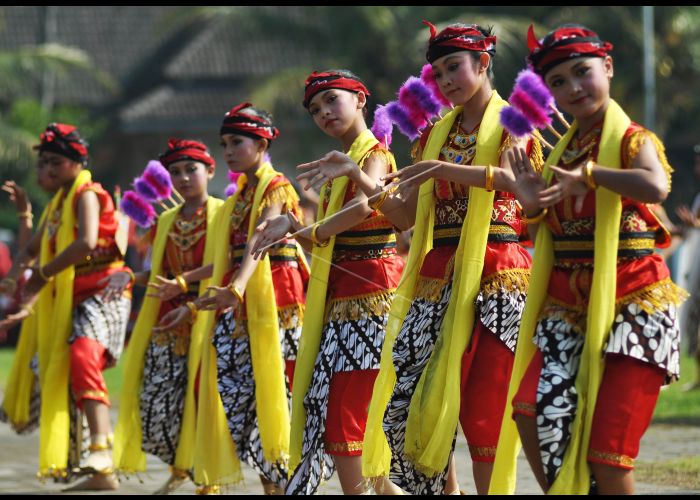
<point>462,147</point>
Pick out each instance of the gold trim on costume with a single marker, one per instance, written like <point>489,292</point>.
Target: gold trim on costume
<point>344,447</point>
<point>526,407</point>
<point>358,306</point>
<point>506,279</point>
<point>91,394</point>
<point>483,451</point>
<point>615,458</point>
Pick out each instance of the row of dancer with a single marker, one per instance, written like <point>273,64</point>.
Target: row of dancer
<point>580,346</point>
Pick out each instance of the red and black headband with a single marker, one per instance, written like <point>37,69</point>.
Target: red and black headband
<point>562,44</point>
<point>181,149</point>
<point>252,125</point>
<point>456,38</point>
<point>324,80</point>
<point>64,140</point>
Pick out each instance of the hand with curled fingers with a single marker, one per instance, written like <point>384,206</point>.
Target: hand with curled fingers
<point>527,183</point>
<point>570,183</point>
<point>164,289</point>
<point>270,231</point>
<point>218,297</point>
<point>173,319</point>
<point>116,284</point>
<point>411,177</point>
<point>335,164</point>
<point>18,196</point>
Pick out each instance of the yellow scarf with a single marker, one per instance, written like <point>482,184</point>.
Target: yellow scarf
<point>20,381</point>
<point>54,327</point>
<point>434,409</point>
<point>215,457</point>
<point>128,455</point>
<point>573,478</point>
<point>310,340</point>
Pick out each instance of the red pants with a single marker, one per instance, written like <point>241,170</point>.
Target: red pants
<point>289,370</point>
<point>624,408</point>
<point>348,403</point>
<point>88,358</point>
<point>486,367</point>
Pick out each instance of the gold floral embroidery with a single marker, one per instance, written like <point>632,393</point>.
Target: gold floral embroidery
<point>344,447</point>
<point>482,451</point>
<point>615,458</point>
<point>527,408</point>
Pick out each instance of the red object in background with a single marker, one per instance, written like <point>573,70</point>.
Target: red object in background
<point>5,260</point>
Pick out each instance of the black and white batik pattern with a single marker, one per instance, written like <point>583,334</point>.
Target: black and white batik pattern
<point>345,346</point>
<point>501,313</point>
<point>412,350</point>
<point>236,386</point>
<point>652,338</point>
<point>162,400</point>
<point>102,321</point>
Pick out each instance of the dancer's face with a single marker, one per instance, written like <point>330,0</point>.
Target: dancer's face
<point>334,111</point>
<point>241,152</point>
<point>60,171</point>
<point>460,76</point>
<point>190,178</point>
<point>581,86</point>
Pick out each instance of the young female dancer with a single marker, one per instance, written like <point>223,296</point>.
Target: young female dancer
<point>261,313</point>
<point>157,402</point>
<point>599,335</point>
<point>344,328</point>
<point>79,333</point>
<point>449,284</point>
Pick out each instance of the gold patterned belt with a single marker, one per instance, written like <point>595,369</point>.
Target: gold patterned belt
<point>287,253</point>
<point>363,245</point>
<point>96,264</point>
<point>445,235</point>
<point>631,245</point>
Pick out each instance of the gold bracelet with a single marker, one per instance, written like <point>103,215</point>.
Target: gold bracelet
<point>488,185</point>
<point>236,292</point>
<point>588,174</point>
<point>40,270</point>
<point>536,218</point>
<point>192,307</point>
<point>315,239</point>
<point>132,276</point>
<point>27,214</point>
<point>375,205</point>
<point>183,284</point>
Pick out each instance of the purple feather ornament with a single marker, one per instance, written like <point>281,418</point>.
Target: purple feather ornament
<point>409,102</point>
<point>424,96</point>
<point>515,122</point>
<point>399,116</point>
<point>428,78</point>
<point>231,189</point>
<point>537,115</point>
<point>159,179</point>
<point>146,190</point>
<point>533,85</point>
<point>233,176</point>
<point>137,209</point>
<point>382,127</point>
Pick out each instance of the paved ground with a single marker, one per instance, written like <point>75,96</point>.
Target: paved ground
<point>19,455</point>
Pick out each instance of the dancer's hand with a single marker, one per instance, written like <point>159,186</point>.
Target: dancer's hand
<point>218,297</point>
<point>527,183</point>
<point>164,289</point>
<point>335,164</point>
<point>173,319</point>
<point>116,284</point>
<point>571,183</point>
<point>270,231</point>
<point>18,196</point>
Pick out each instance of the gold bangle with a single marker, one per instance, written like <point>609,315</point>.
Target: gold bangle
<point>192,307</point>
<point>488,185</point>
<point>183,284</point>
<point>536,218</point>
<point>588,174</point>
<point>315,239</point>
<point>132,276</point>
<point>40,270</point>
<point>376,205</point>
<point>235,291</point>
<point>27,214</point>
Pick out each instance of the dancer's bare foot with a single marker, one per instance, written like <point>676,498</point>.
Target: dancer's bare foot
<point>172,484</point>
<point>96,482</point>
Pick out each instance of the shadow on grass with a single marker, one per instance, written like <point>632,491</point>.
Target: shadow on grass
<point>677,420</point>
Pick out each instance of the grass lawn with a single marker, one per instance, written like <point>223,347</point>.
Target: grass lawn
<point>682,472</point>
